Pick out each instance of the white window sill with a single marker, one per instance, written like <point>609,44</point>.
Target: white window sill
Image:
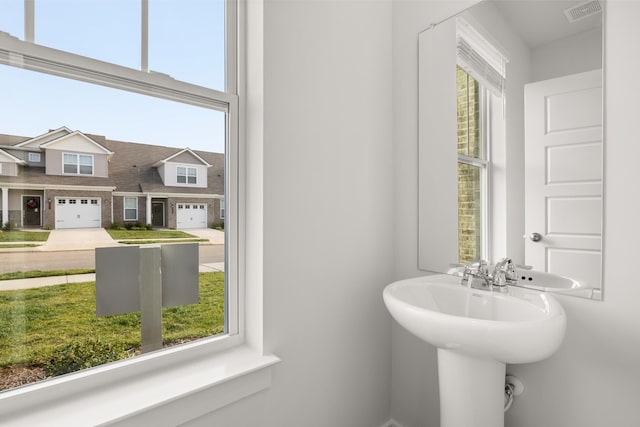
<point>123,392</point>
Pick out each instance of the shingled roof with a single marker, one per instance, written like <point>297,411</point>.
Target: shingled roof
<point>130,169</point>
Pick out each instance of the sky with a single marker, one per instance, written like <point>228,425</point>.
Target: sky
<point>186,41</point>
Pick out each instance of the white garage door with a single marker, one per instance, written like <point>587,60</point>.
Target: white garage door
<point>191,215</point>
<point>78,212</point>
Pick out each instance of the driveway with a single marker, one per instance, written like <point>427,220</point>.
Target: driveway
<point>78,239</point>
<point>215,237</point>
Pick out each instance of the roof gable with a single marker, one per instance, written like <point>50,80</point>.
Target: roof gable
<point>76,141</point>
<point>8,158</point>
<point>44,138</point>
<point>180,156</point>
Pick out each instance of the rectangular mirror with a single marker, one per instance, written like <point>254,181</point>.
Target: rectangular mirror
<point>511,138</point>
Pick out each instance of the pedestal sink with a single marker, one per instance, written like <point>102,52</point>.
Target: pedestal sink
<point>477,333</point>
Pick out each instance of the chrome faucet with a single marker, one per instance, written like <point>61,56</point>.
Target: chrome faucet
<point>476,275</point>
<point>504,273</point>
<point>476,270</point>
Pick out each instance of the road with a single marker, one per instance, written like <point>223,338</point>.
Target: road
<point>64,260</point>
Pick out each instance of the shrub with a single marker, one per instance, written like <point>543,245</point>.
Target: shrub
<point>116,226</point>
<point>128,225</point>
<point>82,355</point>
<point>149,227</point>
<point>9,226</point>
<point>218,225</point>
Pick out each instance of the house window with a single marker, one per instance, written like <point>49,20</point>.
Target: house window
<point>480,81</point>
<point>130,208</point>
<point>187,175</point>
<point>34,157</point>
<point>472,168</point>
<point>116,95</point>
<point>79,164</point>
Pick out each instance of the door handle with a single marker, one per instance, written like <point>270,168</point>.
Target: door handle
<point>535,237</point>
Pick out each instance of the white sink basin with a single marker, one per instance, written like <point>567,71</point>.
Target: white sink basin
<point>477,333</point>
<point>523,326</point>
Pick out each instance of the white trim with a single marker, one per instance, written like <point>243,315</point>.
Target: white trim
<point>29,186</point>
<point>186,150</point>
<point>12,157</point>
<point>120,391</point>
<point>31,156</point>
<point>29,56</point>
<point>124,208</point>
<point>34,139</point>
<point>170,195</point>
<point>76,133</point>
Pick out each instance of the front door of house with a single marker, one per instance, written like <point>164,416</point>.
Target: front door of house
<point>31,211</point>
<point>157,214</point>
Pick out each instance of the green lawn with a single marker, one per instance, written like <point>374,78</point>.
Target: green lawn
<point>24,236</point>
<point>148,234</point>
<point>47,273</point>
<point>152,242</point>
<point>36,324</point>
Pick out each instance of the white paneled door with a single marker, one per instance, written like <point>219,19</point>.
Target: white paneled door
<point>563,176</point>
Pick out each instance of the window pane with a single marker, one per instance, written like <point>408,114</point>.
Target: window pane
<point>50,322</point>
<point>469,213</point>
<point>186,40</point>
<point>130,203</point>
<point>86,170</point>
<point>469,142</point>
<point>110,29</point>
<point>12,17</point>
<point>86,160</point>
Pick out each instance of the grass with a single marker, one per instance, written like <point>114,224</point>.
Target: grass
<point>147,234</point>
<point>24,236</point>
<point>37,323</point>
<point>39,273</point>
<point>149,242</point>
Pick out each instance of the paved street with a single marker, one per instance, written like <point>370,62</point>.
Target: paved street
<point>62,260</point>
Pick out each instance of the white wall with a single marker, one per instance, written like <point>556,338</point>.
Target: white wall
<point>566,56</point>
<point>327,216</point>
<point>593,380</point>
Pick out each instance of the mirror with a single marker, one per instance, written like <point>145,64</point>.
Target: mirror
<point>511,139</point>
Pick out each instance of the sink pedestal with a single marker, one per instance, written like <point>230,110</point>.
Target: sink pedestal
<point>471,390</point>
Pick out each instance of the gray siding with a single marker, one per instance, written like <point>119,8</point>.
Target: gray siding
<point>54,163</point>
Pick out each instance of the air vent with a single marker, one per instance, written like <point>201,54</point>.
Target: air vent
<point>583,10</point>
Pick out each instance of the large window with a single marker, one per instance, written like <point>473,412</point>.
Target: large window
<point>61,78</point>
<point>80,164</point>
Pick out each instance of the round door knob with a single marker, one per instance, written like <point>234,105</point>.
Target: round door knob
<point>535,237</point>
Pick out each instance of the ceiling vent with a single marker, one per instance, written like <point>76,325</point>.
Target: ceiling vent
<point>583,10</point>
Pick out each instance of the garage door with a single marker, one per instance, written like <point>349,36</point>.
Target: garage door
<point>191,216</point>
<point>78,212</point>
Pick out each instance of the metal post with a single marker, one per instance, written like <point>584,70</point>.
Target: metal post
<point>150,281</point>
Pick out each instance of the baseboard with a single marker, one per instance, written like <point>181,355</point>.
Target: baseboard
<point>391,423</point>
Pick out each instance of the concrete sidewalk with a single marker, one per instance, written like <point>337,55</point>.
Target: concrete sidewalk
<point>38,282</point>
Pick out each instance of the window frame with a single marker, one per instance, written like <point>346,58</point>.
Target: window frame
<point>31,157</point>
<point>242,367</point>
<point>186,175</point>
<point>77,164</point>
<point>483,163</point>
<point>124,208</point>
